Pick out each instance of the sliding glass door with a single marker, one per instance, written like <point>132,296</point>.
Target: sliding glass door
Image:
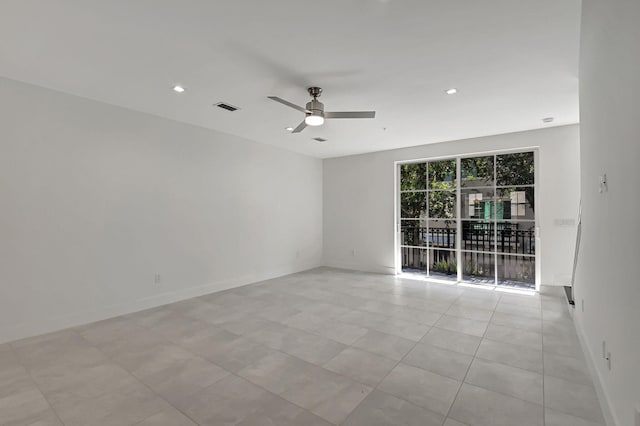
<point>470,219</point>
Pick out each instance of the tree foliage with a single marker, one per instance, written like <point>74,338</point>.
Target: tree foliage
<point>435,182</point>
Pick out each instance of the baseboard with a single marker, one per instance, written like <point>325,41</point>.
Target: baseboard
<point>354,266</point>
<point>605,404</point>
<point>29,329</point>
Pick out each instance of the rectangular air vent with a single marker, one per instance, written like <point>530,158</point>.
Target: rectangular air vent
<point>226,106</point>
<point>320,139</point>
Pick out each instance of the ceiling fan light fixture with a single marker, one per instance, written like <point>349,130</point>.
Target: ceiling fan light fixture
<point>314,119</point>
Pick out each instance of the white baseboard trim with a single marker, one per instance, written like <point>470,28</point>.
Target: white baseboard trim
<point>353,266</point>
<point>605,404</point>
<point>34,328</point>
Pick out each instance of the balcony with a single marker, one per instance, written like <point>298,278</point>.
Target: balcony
<point>502,253</point>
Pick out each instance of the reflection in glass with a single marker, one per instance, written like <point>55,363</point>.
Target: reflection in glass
<point>442,264</point>
<point>413,205</point>
<point>476,171</point>
<point>515,169</point>
<point>442,174</point>
<point>478,267</point>
<point>413,176</point>
<point>442,204</point>
<point>516,271</point>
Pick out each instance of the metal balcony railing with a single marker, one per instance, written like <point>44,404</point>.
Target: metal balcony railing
<point>479,242</point>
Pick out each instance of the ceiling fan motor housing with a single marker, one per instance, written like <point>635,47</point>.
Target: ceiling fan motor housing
<point>315,107</point>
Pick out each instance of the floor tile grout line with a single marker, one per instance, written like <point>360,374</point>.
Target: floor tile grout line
<point>260,386</point>
<point>248,380</point>
<point>141,382</point>
<point>35,383</point>
<point>283,398</point>
<point>462,382</point>
<point>235,374</point>
<point>231,373</point>
<point>416,343</point>
<point>347,345</point>
<point>504,394</point>
<point>401,360</point>
<point>376,388</point>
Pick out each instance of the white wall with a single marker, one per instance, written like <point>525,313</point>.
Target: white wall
<point>95,200</point>
<point>608,278</point>
<point>359,199</point>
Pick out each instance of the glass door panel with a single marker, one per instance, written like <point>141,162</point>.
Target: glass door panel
<point>414,260</point>
<point>479,267</point>
<point>442,234</point>
<point>413,213</point>
<point>412,233</point>
<point>515,169</point>
<point>477,203</point>
<point>516,238</point>
<point>517,271</point>
<point>413,205</point>
<point>413,176</point>
<point>470,218</point>
<point>478,236</point>
<point>443,264</point>
<point>518,203</point>
<point>477,172</point>
<point>442,204</point>
<point>442,174</point>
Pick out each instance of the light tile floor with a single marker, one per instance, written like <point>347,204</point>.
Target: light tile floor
<point>316,348</point>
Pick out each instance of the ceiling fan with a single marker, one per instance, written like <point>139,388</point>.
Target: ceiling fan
<point>315,113</point>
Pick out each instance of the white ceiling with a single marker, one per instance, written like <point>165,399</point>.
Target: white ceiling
<point>513,62</point>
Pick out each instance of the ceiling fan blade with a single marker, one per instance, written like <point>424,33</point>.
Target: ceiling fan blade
<point>287,103</point>
<point>300,127</point>
<point>350,114</point>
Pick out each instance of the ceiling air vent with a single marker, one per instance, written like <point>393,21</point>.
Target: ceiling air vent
<point>226,106</point>
<point>320,139</point>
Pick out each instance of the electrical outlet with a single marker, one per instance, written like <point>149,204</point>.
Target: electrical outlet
<point>156,279</point>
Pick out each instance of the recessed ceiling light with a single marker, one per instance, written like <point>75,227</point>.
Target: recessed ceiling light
<point>452,91</point>
<point>289,129</point>
<point>547,120</point>
<point>179,89</point>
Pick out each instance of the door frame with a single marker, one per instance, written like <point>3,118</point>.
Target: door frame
<point>458,157</point>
